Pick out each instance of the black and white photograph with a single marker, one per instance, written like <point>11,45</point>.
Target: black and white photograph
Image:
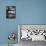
<point>11,12</point>
<point>31,34</point>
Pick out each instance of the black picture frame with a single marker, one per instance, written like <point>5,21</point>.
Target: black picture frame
<point>11,12</point>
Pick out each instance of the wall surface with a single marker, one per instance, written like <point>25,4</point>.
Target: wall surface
<point>6,25</point>
<point>31,11</point>
<point>27,12</point>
